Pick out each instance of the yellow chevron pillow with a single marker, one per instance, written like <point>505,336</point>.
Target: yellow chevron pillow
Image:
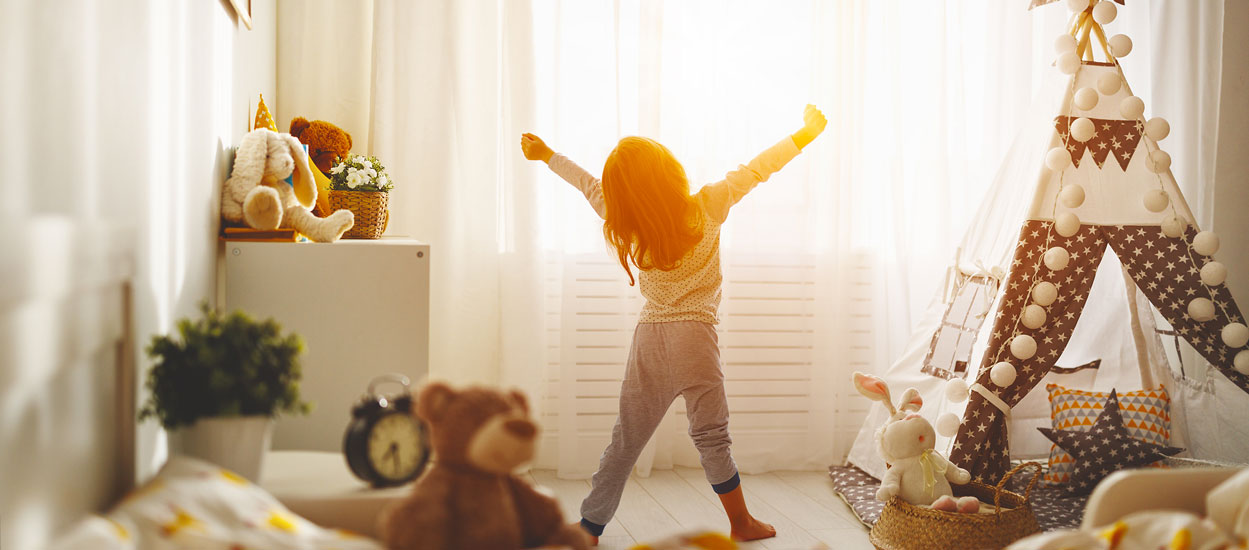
<point>1146,415</point>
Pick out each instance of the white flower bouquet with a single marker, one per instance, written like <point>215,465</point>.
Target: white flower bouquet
<point>360,173</point>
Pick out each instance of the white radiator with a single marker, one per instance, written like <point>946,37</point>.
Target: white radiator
<point>773,349</point>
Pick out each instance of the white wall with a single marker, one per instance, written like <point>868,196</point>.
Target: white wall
<point>117,118</point>
<point>1231,172</point>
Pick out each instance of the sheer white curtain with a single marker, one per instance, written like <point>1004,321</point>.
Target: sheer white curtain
<point>852,237</point>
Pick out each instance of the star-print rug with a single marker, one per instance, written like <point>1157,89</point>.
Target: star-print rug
<point>1053,506</point>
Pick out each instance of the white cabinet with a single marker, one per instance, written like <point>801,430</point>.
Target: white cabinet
<point>362,307</point>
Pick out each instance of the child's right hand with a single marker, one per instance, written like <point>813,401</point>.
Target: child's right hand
<point>534,148</point>
<point>813,123</point>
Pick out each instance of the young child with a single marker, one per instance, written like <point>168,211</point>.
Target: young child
<point>673,239</point>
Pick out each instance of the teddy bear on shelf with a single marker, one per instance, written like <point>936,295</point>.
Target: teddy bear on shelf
<point>469,498</point>
<point>327,144</point>
<point>918,474</point>
<point>258,195</point>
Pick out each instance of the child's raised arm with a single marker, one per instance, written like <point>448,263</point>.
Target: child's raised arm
<point>535,149</point>
<point>720,196</point>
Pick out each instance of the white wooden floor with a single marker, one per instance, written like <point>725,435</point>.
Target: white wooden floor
<point>801,505</point>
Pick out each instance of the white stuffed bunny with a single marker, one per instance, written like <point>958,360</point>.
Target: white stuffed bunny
<point>918,474</point>
<point>258,195</point>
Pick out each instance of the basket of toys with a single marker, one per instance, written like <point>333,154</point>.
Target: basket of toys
<point>904,526</point>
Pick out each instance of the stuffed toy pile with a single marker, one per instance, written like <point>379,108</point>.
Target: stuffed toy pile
<point>469,497</point>
<point>258,195</point>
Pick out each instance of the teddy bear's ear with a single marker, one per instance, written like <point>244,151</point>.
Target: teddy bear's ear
<point>520,399</point>
<point>298,125</point>
<point>433,400</point>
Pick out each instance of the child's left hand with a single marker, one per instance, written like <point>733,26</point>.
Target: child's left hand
<point>534,148</point>
<point>813,123</point>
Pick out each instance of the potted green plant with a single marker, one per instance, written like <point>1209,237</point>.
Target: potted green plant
<point>218,384</point>
<point>360,184</point>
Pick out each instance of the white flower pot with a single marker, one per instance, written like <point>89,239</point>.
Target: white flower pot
<point>236,443</point>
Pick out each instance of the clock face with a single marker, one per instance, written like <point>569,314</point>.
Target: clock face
<point>395,448</point>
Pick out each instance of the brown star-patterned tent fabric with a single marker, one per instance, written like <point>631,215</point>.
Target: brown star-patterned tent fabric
<point>1124,281</point>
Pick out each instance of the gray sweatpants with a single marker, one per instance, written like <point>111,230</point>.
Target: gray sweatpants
<point>665,360</point>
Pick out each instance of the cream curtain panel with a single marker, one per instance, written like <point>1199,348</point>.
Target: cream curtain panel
<point>853,237</point>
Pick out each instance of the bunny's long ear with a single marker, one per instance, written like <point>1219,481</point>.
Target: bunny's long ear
<point>874,388</point>
<point>249,168</point>
<point>305,186</point>
<point>911,401</point>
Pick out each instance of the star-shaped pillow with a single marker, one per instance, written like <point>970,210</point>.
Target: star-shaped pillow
<point>1105,448</point>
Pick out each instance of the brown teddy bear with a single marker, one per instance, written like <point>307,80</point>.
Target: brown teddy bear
<point>469,498</point>
<point>326,144</point>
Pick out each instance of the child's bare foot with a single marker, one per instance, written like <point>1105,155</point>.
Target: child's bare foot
<point>593,539</point>
<point>752,529</point>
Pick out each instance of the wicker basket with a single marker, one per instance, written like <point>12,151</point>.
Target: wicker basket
<point>903,526</point>
<point>369,208</point>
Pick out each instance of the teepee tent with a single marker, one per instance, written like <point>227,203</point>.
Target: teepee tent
<point>1083,267</point>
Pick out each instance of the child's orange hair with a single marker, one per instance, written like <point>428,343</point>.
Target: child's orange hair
<point>651,218</point>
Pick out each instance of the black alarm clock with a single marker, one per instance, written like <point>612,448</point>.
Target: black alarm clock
<point>385,443</point>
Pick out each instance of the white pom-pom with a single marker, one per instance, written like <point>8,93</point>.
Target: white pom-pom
<point>1057,258</point>
<point>1065,43</point>
<point>1241,362</point>
<point>1206,243</point>
<point>1236,335</point>
<point>1201,309</point>
<point>1085,99</point>
<point>1104,12</point>
<point>1109,83</point>
<point>1213,274</point>
<point>956,390</point>
<point>1066,224</point>
<point>1068,63</point>
<point>1083,129</point>
<point>1033,316</point>
<point>1156,200</point>
<point>1072,195</point>
<point>1023,347</point>
<point>1131,107</point>
<point>1058,159</point>
<point>1003,374</point>
<point>1157,128</point>
<point>1173,226</point>
<point>1044,293</point>
<point>947,424</point>
<point>1078,5</point>
<point>1158,161</point>
<point>1120,45</point>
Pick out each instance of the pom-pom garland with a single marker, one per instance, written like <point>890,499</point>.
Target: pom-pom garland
<point>956,390</point>
<point>1156,200</point>
<point>1157,128</point>
<point>1173,226</point>
<point>1023,347</point>
<point>948,423</point>
<point>1120,45</point>
<point>1033,316</point>
<point>1206,243</point>
<point>1158,161</point>
<point>1068,63</point>
<point>1003,374</point>
<point>1201,309</point>
<point>1082,129</point>
<point>1085,99</point>
<point>1058,159</point>
<point>1057,258</point>
<point>1241,362</point>
<point>1131,107</point>
<point>1104,12</point>
<point>1213,274</point>
<point>1236,335</point>
<point>1066,224</point>
<point>1072,196</point>
<point>1044,293</point>
<point>1109,84</point>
